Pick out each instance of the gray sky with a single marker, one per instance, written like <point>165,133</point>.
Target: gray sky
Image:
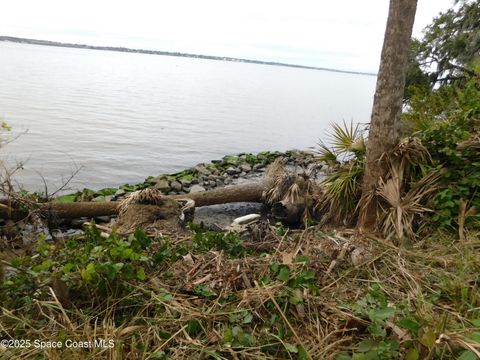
<point>342,34</point>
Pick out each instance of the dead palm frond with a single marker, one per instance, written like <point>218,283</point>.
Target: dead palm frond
<point>410,151</point>
<point>292,189</point>
<point>400,208</point>
<point>465,211</point>
<point>472,143</point>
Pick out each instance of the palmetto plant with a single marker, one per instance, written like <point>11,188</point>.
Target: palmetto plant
<point>345,157</point>
<point>402,195</point>
<point>347,142</point>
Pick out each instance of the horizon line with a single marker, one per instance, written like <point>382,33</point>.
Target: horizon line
<point>171,53</point>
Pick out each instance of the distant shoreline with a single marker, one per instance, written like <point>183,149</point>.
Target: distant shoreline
<point>167,53</point>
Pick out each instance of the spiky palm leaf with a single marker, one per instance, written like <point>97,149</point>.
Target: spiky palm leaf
<point>347,143</point>
<point>341,192</point>
<point>348,138</point>
<point>327,155</point>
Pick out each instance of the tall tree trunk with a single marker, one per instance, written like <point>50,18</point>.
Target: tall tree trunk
<point>387,105</point>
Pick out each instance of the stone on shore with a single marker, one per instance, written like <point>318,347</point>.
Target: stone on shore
<point>233,171</point>
<point>196,188</point>
<point>162,185</point>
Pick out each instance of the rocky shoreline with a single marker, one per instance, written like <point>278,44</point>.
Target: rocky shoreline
<point>231,169</point>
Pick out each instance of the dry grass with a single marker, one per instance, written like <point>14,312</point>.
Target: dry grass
<point>169,318</point>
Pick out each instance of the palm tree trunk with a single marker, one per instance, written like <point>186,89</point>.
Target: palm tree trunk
<point>387,105</point>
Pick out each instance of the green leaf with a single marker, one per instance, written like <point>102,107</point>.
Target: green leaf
<point>246,339</point>
<point>428,338</point>
<point>381,314</point>
<point>366,345</point>
<point>409,325</point>
<point>203,290</point>
<point>302,353</point>
<point>247,319</point>
<point>343,356</point>
<point>193,327</point>
<point>475,337</point>
<point>141,274</point>
<point>283,274</point>
<point>88,273</point>
<point>412,354</point>
<point>467,355</point>
<point>290,348</point>
<point>228,336</point>
<point>142,238</point>
<point>118,266</point>
<point>68,267</point>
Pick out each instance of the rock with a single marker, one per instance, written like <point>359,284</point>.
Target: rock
<point>258,167</point>
<point>74,232</point>
<point>120,192</point>
<point>245,167</point>
<point>201,169</point>
<point>194,181</point>
<point>242,174</point>
<point>212,183</point>
<point>185,182</point>
<point>162,185</point>
<point>232,171</point>
<point>219,182</point>
<point>227,181</point>
<point>176,185</point>
<point>230,160</point>
<point>78,222</point>
<point>102,219</point>
<point>196,188</point>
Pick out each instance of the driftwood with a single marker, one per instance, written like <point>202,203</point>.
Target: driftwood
<point>235,193</point>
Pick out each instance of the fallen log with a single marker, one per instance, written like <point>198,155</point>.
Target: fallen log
<point>251,192</point>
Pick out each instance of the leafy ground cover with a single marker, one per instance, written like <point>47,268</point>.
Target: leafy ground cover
<point>210,295</point>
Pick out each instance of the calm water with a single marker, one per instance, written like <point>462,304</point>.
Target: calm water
<point>123,117</point>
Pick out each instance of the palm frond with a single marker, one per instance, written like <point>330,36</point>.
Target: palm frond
<point>400,209</point>
<point>327,155</point>
<point>343,137</point>
<point>410,151</point>
<point>472,143</point>
<point>341,192</point>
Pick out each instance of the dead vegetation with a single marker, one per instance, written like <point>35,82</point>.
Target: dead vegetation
<point>312,296</point>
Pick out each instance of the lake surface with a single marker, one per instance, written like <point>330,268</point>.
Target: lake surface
<point>122,117</point>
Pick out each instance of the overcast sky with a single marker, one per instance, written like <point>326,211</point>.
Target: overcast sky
<point>342,34</point>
